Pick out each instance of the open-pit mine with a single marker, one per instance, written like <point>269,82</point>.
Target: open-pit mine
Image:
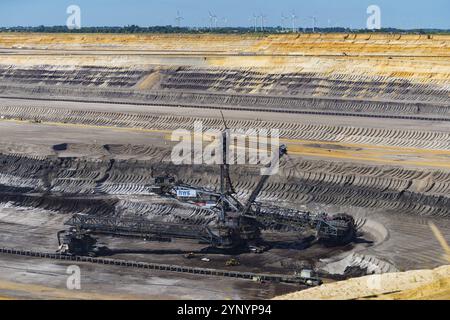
<point>88,179</point>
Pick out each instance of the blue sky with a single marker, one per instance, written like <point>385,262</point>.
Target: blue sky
<point>349,13</point>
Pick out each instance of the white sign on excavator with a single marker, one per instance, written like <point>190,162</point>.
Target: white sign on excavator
<point>189,193</point>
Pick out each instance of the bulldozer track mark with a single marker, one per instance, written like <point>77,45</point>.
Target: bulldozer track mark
<point>356,136</point>
<point>441,113</point>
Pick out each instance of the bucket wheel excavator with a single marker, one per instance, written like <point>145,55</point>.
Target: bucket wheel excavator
<point>238,225</point>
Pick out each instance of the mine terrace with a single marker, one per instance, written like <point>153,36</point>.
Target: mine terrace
<point>87,172</point>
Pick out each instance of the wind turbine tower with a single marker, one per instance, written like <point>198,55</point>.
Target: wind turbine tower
<point>178,19</point>
<point>255,22</point>
<point>212,20</point>
<point>263,18</point>
<point>314,23</point>
<point>293,19</point>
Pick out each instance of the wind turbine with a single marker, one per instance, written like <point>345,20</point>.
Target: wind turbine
<point>293,18</point>
<point>178,19</point>
<point>212,20</point>
<point>262,17</point>
<point>314,21</point>
<point>255,21</point>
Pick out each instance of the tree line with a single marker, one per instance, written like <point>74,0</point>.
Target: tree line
<point>134,29</point>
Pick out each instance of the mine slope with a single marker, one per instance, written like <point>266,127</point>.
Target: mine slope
<point>86,122</point>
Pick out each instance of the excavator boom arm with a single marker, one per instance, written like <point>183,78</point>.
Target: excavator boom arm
<point>282,151</point>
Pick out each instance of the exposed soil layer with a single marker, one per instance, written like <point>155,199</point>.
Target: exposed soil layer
<point>121,187</point>
<point>414,192</point>
<point>86,122</point>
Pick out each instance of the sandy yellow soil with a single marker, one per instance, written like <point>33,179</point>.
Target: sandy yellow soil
<point>420,58</point>
<point>360,44</point>
<point>415,284</point>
